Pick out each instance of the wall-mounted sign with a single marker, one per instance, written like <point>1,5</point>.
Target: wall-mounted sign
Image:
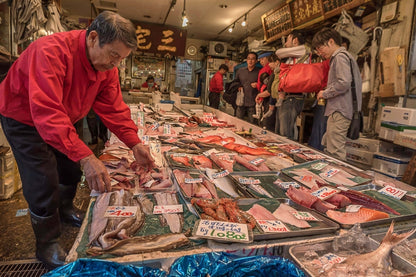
<point>305,10</point>
<point>160,39</point>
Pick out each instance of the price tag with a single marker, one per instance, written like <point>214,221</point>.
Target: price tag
<point>353,208</point>
<point>208,153</point>
<point>140,118</point>
<point>331,258</point>
<point>325,192</point>
<point>246,181</point>
<point>306,178</point>
<point>220,174</point>
<point>167,129</point>
<point>257,161</point>
<point>192,181</point>
<point>145,140</point>
<point>120,211</point>
<point>154,126</point>
<point>140,132</point>
<point>168,209</point>
<point>272,226</point>
<point>287,185</point>
<point>305,216</point>
<point>331,172</point>
<point>222,230</point>
<point>393,192</point>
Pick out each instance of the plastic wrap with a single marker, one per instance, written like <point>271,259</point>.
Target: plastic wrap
<point>93,267</point>
<point>223,264</point>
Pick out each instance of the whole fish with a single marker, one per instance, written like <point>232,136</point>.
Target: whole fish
<point>376,263</point>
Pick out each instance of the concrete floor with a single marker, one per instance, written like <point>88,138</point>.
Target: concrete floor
<point>17,241</point>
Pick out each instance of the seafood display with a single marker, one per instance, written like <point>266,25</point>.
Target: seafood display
<point>180,159</point>
<point>195,184</point>
<point>262,184</point>
<point>354,254</point>
<point>310,173</point>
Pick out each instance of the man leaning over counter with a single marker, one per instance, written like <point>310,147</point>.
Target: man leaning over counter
<point>52,85</point>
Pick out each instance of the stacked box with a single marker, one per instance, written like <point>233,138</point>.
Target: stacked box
<point>362,150</point>
<point>9,174</point>
<point>403,116</point>
<point>392,164</point>
<point>389,130</point>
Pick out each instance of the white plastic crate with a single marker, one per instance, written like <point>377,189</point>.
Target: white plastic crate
<point>391,163</point>
<point>358,155</point>
<point>364,144</point>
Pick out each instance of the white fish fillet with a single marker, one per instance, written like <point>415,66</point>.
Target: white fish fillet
<point>285,214</point>
<point>223,183</point>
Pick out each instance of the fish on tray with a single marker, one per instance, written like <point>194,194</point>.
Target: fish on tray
<point>244,149</point>
<point>173,220</point>
<point>192,187</point>
<point>285,214</point>
<point>225,161</point>
<point>376,263</point>
<point>246,161</point>
<point>223,209</point>
<point>306,177</point>
<point>223,183</point>
<point>303,197</point>
<point>363,215</point>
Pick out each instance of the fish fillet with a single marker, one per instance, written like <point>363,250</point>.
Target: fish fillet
<point>261,213</point>
<point>225,184</point>
<point>285,214</point>
<point>363,215</point>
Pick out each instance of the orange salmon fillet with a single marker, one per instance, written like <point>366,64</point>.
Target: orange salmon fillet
<point>363,215</point>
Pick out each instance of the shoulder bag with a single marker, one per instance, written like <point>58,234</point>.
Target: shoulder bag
<point>356,125</point>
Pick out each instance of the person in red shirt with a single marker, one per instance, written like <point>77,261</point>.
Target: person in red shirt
<point>52,85</point>
<point>216,86</point>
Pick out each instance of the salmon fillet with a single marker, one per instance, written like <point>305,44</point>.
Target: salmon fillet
<point>363,215</point>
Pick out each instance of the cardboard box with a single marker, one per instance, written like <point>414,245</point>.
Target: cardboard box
<point>404,116</point>
<point>359,155</point>
<point>392,71</point>
<point>389,130</point>
<point>392,164</point>
<point>371,145</point>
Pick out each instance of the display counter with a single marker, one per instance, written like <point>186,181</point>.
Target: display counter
<point>300,158</point>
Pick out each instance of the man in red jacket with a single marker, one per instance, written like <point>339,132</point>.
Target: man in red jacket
<point>216,86</point>
<point>52,85</point>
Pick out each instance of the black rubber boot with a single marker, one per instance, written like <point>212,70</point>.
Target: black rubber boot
<point>47,231</point>
<point>69,214</point>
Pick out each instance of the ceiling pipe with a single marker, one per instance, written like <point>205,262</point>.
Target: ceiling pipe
<point>172,4</point>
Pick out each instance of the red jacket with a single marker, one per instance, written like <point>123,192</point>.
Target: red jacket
<point>266,69</point>
<point>52,85</point>
<point>216,84</point>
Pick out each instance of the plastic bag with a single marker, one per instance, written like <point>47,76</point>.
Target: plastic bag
<point>239,101</point>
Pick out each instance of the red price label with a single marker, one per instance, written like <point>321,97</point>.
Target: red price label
<point>120,211</point>
<point>272,226</point>
<point>393,192</point>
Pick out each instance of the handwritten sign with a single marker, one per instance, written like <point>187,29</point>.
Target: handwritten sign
<point>325,192</point>
<point>154,126</point>
<point>287,185</point>
<point>393,192</point>
<point>305,216</point>
<point>120,211</point>
<point>331,258</point>
<point>257,161</point>
<point>306,178</point>
<point>353,208</point>
<point>272,226</point>
<point>319,166</point>
<point>220,174</point>
<point>331,172</point>
<point>193,180</point>
<point>140,118</point>
<point>168,209</point>
<point>167,129</point>
<point>145,140</point>
<point>305,10</point>
<point>222,230</point>
<point>247,181</point>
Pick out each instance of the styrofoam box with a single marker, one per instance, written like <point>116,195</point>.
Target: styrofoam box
<point>405,116</point>
<point>366,144</point>
<point>391,163</point>
<point>390,130</point>
<point>164,106</point>
<point>359,155</point>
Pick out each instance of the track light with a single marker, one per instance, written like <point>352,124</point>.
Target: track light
<point>244,23</point>
<point>184,18</point>
<point>231,28</point>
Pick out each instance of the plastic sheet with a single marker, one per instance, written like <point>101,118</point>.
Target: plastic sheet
<point>222,264</point>
<point>93,267</point>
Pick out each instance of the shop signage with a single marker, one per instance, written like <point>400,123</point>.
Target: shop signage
<point>160,39</point>
<point>305,10</point>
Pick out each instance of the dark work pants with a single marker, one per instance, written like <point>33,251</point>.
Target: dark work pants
<point>214,99</point>
<point>318,127</point>
<point>42,168</point>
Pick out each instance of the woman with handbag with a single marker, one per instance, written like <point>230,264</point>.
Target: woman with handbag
<point>343,91</point>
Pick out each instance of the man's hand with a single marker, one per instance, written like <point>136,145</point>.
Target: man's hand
<point>96,174</point>
<point>143,158</point>
<point>320,95</point>
<point>253,85</point>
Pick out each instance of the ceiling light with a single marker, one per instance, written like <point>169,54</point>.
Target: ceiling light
<point>231,28</point>
<point>184,18</point>
<point>244,23</point>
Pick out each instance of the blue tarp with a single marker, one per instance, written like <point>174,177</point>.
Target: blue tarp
<point>213,264</point>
